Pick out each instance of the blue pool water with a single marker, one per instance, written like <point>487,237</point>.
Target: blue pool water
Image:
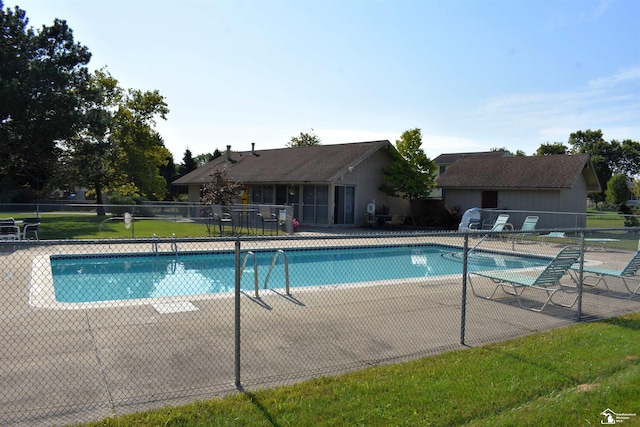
<point>91,278</point>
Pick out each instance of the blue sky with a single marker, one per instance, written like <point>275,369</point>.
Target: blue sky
<point>471,74</point>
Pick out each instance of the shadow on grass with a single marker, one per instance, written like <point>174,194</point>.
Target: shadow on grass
<point>256,402</point>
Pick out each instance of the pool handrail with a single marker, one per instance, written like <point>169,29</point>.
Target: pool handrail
<point>286,269</point>
<point>255,270</point>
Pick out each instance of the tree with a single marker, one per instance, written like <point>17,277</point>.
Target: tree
<point>220,190</point>
<point>203,159</point>
<point>189,164</point>
<point>411,175</point>
<point>548,149</point>
<point>304,139</point>
<point>629,160</point>
<point>141,150</point>
<point>117,148</point>
<point>618,191</point>
<point>42,74</point>
<point>593,143</point>
<point>91,154</point>
<point>170,173</point>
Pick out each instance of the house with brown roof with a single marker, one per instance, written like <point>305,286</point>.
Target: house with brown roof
<point>443,161</point>
<point>557,183</point>
<point>327,185</point>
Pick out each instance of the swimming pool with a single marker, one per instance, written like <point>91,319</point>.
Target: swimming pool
<point>95,278</point>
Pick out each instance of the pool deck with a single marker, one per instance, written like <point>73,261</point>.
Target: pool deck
<point>113,358</point>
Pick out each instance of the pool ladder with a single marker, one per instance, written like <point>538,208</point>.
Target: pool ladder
<point>278,253</point>
<point>174,245</point>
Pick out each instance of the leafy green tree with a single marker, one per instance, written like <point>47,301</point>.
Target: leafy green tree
<point>203,159</point>
<point>42,75</point>
<point>411,175</point>
<point>593,143</point>
<point>548,149</point>
<point>618,191</point>
<point>629,159</point>
<point>91,154</point>
<point>304,139</point>
<point>221,189</point>
<point>118,148</point>
<point>141,150</point>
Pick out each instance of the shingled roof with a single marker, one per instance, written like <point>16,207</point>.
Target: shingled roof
<point>450,158</point>
<point>320,163</point>
<point>520,172</point>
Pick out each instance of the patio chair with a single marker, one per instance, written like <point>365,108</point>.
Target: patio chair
<point>9,230</point>
<point>394,221</point>
<point>628,272</point>
<point>221,218</point>
<point>527,229</point>
<point>31,226</point>
<point>515,283</point>
<point>266,216</point>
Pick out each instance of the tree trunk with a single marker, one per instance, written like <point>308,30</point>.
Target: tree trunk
<point>100,207</point>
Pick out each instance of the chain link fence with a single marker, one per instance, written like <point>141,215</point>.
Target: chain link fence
<point>91,329</point>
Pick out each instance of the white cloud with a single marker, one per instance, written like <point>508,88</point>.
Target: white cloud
<point>621,77</point>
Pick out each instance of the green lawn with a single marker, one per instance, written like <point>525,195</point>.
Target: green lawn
<point>91,226</point>
<point>565,377</point>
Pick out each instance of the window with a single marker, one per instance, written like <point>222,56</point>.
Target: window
<point>262,194</point>
<point>315,199</point>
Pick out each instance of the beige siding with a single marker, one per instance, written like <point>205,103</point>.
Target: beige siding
<point>367,177</point>
<point>551,201</point>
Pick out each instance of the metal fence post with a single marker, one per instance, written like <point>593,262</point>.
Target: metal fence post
<point>463,308</point>
<point>580,274</point>
<point>237,316</point>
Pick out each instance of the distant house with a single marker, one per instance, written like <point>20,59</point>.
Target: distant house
<point>328,185</point>
<point>558,183</point>
<point>443,161</point>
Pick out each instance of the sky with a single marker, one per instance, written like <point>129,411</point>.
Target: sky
<point>473,75</point>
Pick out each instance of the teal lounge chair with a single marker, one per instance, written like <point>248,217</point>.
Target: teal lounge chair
<point>629,272</point>
<point>501,223</point>
<point>498,226</point>
<point>528,228</point>
<point>515,283</point>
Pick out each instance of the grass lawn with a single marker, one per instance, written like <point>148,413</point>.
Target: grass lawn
<point>565,377</point>
<point>91,226</point>
<point>56,226</point>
